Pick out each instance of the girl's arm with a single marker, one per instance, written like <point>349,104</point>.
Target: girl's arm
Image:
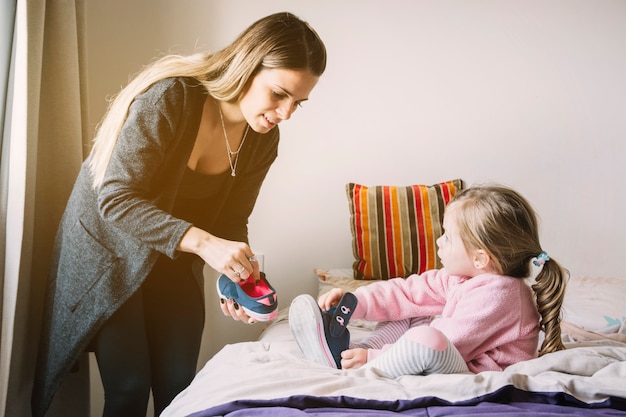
<point>401,298</point>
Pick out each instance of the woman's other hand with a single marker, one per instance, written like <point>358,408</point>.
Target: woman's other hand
<point>233,309</point>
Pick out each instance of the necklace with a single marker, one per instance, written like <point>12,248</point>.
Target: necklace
<point>233,164</point>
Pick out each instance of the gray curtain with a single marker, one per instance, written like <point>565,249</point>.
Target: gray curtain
<point>42,148</point>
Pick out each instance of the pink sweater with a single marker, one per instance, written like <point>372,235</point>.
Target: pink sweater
<point>491,319</point>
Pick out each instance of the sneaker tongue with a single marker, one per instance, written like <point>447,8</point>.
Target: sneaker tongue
<point>340,315</point>
<point>334,327</point>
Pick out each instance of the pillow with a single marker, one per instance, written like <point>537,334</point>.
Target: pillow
<point>595,304</point>
<point>394,228</point>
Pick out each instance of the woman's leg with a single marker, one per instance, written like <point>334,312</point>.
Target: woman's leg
<point>174,321</point>
<point>421,350</point>
<point>122,353</point>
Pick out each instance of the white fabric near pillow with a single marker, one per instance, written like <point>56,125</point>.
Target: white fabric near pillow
<point>341,277</point>
<point>595,304</point>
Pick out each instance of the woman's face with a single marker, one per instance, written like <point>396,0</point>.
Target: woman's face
<point>273,96</point>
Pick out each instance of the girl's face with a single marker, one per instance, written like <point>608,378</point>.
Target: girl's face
<point>273,96</point>
<point>454,257</point>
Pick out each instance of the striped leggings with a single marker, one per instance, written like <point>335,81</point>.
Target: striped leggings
<point>411,347</point>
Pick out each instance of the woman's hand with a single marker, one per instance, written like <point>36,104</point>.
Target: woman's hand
<point>353,358</point>
<point>331,298</point>
<point>231,308</point>
<point>233,259</point>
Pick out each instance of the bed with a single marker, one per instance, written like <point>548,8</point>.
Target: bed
<point>270,377</point>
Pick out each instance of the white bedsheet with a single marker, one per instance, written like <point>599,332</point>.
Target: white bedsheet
<point>273,367</point>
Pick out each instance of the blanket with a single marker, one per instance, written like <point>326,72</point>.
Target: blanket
<point>588,373</point>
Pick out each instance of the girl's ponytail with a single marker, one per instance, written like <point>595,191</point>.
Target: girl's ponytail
<point>549,288</point>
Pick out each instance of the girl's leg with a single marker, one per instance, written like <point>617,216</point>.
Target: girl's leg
<point>388,332</point>
<point>385,333</point>
<point>174,320</point>
<point>421,350</point>
<point>122,353</point>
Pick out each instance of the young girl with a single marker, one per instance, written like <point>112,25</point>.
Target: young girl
<point>476,314</point>
<point>173,176</point>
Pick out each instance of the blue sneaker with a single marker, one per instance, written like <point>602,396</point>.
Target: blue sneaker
<point>322,335</point>
<point>258,300</point>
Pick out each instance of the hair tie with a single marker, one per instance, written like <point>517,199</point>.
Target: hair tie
<point>541,259</point>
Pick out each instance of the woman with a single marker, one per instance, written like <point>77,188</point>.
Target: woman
<point>172,178</point>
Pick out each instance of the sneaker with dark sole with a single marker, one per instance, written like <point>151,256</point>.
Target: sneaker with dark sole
<point>258,299</point>
<point>322,335</point>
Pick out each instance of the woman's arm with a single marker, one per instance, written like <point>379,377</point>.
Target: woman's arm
<point>141,180</point>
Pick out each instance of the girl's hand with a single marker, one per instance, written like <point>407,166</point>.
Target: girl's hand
<point>353,358</point>
<point>331,298</point>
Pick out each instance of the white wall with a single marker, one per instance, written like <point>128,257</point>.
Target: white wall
<point>526,93</point>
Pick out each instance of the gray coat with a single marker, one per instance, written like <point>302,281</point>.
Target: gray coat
<point>109,238</point>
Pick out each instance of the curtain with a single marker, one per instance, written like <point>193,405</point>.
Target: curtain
<point>44,140</point>
<point>7,21</point>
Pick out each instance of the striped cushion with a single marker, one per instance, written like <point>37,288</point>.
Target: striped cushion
<point>394,229</point>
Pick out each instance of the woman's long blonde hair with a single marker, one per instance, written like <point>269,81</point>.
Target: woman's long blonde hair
<point>280,40</point>
<point>501,222</point>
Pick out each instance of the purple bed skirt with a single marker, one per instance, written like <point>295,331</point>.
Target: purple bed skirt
<point>506,402</point>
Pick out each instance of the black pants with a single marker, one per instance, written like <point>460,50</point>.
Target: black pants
<point>151,342</point>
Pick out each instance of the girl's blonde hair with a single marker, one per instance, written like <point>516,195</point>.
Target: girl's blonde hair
<point>501,222</point>
<point>280,40</point>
